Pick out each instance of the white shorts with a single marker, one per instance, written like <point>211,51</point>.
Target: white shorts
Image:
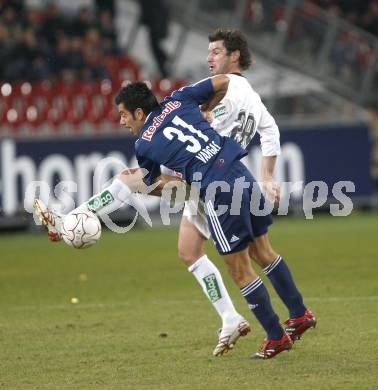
<point>197,217</point>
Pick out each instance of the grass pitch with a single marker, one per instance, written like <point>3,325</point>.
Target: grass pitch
<point>131,288</point>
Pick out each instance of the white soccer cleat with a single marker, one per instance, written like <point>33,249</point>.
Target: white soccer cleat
<point>228,336</point>
<point>49,218</point>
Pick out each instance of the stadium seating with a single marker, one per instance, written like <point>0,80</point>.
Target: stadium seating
<point>31,105</point>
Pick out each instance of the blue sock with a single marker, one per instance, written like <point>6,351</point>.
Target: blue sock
<point>258,300</point>
<point>279,274</point>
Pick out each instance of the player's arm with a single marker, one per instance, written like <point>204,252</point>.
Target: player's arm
<point>270,147</point>
<point>220,86</point>
<point>207,92</point>
<point>134,179</point>
<point>164,181</point>
<point>270,188</point>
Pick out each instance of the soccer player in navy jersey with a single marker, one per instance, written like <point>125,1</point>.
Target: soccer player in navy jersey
<point>175,134</point>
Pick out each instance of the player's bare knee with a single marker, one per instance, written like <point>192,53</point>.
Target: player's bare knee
<point>265,257</point>
<point>262,252</point>
<point>191,244</point>
<point>241,276</point>
<point>257,256</point>
<point>237,275</point>
<point>188,255</point>
<point>260,259</point>
<point>239,268</point>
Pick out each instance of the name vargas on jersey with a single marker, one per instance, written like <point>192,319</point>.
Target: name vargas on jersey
<point>208,152</point>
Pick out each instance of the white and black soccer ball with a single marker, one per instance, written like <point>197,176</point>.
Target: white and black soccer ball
<point>81,229</point>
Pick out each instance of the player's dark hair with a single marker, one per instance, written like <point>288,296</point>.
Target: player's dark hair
<point>233,40</point>
<point>137,95</point>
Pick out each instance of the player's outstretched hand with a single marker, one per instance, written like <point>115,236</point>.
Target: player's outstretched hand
<point>271,191</point>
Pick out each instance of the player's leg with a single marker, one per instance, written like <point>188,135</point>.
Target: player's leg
<point>106,201</point>
<point>112,197</point>
<point>257,297</point>
<point>191,243</point>
<point>191,246</point>
<point>109,199</point>
<point>232,232</point>
<point>278,272</point>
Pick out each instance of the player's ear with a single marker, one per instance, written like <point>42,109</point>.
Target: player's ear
<point>235,56</point>
<point>139,114</point>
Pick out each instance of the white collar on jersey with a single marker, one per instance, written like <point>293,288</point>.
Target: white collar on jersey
<point>147,117</point>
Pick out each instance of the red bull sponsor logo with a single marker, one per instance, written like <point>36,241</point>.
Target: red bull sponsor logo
<point>158,120</point>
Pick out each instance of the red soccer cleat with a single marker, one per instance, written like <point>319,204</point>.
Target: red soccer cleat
<point>272,348</point>
<point>295,327</point>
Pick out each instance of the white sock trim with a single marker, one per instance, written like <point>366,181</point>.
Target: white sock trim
<point>273,265</point>
<point>251,287</point>
<point>197,263</point>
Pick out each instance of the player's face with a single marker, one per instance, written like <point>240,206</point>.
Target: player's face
<point>132,121</point>
<point>219,61</point>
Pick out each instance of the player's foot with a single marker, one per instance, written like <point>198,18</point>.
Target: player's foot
<point>295,327</point>
<point>229,335</point>
<point>272,348</point>
<point>50,219</point>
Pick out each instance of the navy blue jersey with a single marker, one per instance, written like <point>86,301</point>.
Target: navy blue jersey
<point>177,136</point>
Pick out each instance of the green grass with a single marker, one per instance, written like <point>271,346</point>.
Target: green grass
<point>135,288</point>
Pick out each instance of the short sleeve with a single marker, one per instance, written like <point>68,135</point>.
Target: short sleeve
<point>199,92</point>
<point>269,134</point>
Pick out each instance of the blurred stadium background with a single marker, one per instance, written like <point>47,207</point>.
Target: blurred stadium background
<point>61,64</point>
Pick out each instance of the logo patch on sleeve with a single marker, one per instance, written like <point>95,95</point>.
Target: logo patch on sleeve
<point>219,111</point>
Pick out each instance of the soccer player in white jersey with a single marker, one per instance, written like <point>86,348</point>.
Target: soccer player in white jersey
<point>239,115</point>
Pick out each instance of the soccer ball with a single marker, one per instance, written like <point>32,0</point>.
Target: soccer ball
<point>81,229</point>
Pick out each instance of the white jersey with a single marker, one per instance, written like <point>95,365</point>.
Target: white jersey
<point>241,114</point>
